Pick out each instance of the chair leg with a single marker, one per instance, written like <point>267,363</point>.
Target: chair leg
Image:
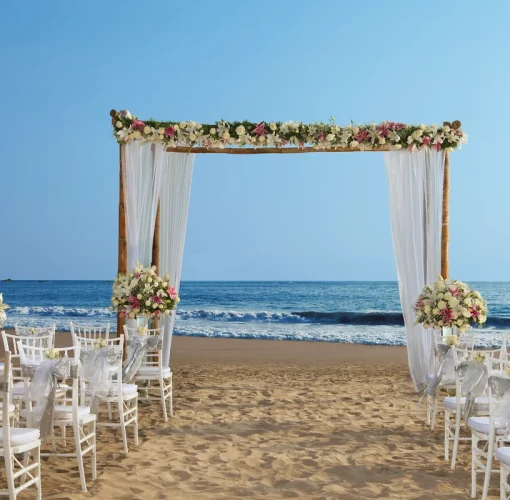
<point>171,396</point>
<point>456,439</point>
<point>135,403</point>
<point>94,452</point>
<point>163,400</point>
<point>123,425</point>
<point>9,472</point>
<point>434,411</point>
<point>488,470</point>
<point>37,458</point>
<point>64,436</point>
<point>79,456</point>
<point>446,434</point>
<point>429,419</point>
<point>474,459</point>
<point>26,459</point>
<point>110,416</point>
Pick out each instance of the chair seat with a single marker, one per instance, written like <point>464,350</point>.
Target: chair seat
<point>152,371</point>
<point>21,436</point>
<point>63,411</point>
<point>481,403</point>
<point>126,389</point>
<point>503,455</point>
<point>481,424</point>
<point>444,382</point>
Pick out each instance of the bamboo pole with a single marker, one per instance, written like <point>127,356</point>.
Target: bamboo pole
<point>445,233</point>
<point>155,249</point>
<point>262,151</point>
<point>122,264</point>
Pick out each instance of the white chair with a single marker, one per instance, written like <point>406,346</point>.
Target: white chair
<point>487,433</point>
<point>152,370</point>
<point>20,472</point>
<point>448,381</point>
<point>454,407</point>
<point>122,397</point>
<point>43,340</point>
<point>68,412</point>
<point>90,331</point>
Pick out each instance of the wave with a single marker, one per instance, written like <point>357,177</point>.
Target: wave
<point>368,318</point>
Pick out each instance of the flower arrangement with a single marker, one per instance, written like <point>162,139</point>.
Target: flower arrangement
<point>32,331</point>
<point>143,293</point>
<point>479,357</point>
<point>142,330</point>
<point>3,307</point>
<point>100,343</point>
<point>452,340</point>
<point>222,134</point>
<point>450,303</point>
<point>51,353</point>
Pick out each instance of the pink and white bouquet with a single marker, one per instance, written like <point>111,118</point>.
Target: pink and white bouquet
<point>450,303</point>
<point>142,292</point>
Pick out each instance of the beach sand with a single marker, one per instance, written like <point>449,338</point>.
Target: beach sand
<point>277,419</point>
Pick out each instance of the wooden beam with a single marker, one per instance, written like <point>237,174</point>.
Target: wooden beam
<point>155,248</point>
<point>122,263</point>
<point>445,233</point>
<point>265,151</point>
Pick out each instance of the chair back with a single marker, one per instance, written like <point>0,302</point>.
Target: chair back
<point>30,356</point>
<point>88,342</point>
<point>92,332</point>
<point>5,393</point>
<point>11,343</point>
<point>153,357</point>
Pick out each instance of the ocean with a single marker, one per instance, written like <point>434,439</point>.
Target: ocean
<point>351,312</point>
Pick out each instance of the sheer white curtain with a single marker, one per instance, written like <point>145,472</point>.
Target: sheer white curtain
<point>142,165</point>
<point>175,196</point>
<point>416,190</point>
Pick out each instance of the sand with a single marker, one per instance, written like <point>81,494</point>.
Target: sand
<point>277,419</point>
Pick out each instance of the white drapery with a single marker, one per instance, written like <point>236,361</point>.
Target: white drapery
<point>175,196</point>
<point>416,191</point>
<point>142,165</point>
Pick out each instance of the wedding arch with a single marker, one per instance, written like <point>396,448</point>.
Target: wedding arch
<point>156,168</point>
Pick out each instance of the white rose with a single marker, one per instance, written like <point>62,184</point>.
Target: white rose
<point>441,304</point>
<point>225,135</point>
<point>147,302</point>
<point>262,138</point>
<point>154,306</point>
<point>161,306</point>
<point>240,130</point>
<point>272,126</point>
<point>147,130</point>
<point>161,137</point>
<point>398,146</point>
<point>427,309</point>
<point>161,130</point>
<point>330,137</point>
<point>192,137</point>
<point>167,312</point>
<point>453,302</point>
<point>446,128</point>
<point>382,140</point>
<point>354,144</point>
<point>355,130</point>
<point>421,126</point>
<point>119,125</point>
<point>212,131</point>
<point>139,296</point>
<point>182,124</point>
<point>466,313</point>
<point>115,303</point>
<point>149,280</point>
<point>165,284</point>
<point>231,140</point>
<point>176,126</point>
<point>448,295</point>
<point>440,295</point>
<point>435,311</point>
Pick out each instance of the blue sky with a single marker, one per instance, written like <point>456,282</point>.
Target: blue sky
<point>311,217</point>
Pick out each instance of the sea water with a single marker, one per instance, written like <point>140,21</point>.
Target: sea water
<point>353,312</point>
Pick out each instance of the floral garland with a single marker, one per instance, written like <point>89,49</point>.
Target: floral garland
<point>223,134</point>
<point>450,303</point>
